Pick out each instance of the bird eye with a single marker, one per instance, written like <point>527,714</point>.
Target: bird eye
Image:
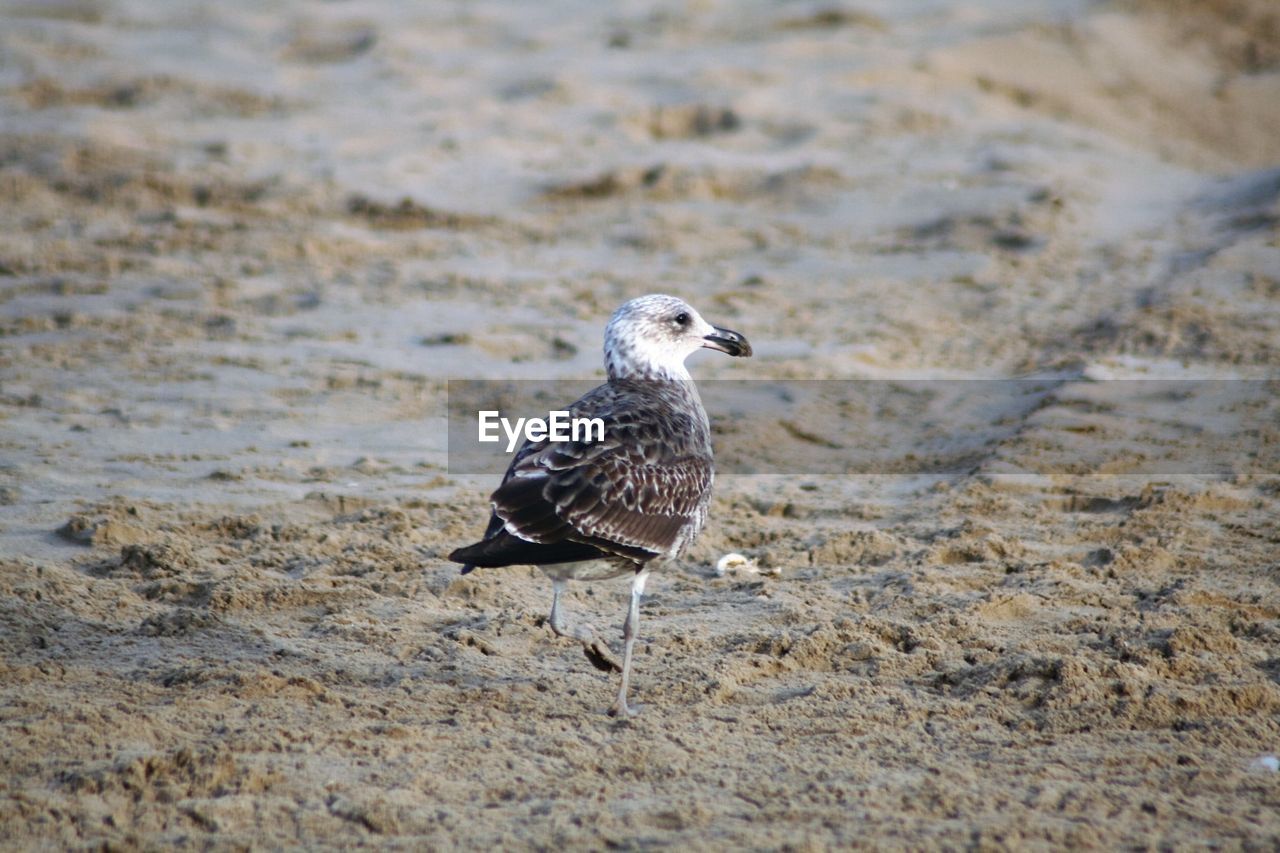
<point>682,319</point>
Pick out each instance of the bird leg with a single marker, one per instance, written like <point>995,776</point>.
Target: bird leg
<point>629,629</point>
<point>596,651</point>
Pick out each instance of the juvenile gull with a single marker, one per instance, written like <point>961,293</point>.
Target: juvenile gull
<point>590,511</point>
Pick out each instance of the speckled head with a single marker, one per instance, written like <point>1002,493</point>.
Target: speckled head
<point>651,336</point>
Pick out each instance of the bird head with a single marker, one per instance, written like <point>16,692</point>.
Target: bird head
<point>651,336</point>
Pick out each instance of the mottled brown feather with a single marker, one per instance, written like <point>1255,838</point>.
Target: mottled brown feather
<point>640,493</point>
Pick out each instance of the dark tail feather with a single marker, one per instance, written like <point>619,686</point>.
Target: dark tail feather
<point>461,555</point>
<point>507,550</point>
<point>469,555</point>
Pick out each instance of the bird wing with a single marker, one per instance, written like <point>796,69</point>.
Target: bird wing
<point>632,494</point>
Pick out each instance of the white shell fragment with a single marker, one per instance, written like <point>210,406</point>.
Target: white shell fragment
<point>737,564</point>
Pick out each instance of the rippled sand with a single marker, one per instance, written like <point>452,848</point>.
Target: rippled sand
<point>242,250</point>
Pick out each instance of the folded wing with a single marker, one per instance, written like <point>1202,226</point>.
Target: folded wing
<point>640,493</point>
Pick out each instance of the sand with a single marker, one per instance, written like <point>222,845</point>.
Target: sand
<point>244,246</point>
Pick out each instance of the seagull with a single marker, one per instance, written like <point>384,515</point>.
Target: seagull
<point>581,510</point>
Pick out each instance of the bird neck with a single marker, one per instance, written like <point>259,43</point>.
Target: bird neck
<point>648,372</point>
<point>632,360</point>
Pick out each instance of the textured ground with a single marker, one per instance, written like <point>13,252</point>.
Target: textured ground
<point>244,246</point>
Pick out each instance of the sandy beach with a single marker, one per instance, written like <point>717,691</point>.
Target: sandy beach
<point>244,247</point>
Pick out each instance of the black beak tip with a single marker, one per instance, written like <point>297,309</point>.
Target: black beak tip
<point>730,342</point>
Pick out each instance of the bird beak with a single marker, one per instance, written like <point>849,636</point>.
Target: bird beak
<point>727,340</point>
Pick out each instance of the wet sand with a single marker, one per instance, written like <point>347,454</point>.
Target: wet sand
<point>243,249</point>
